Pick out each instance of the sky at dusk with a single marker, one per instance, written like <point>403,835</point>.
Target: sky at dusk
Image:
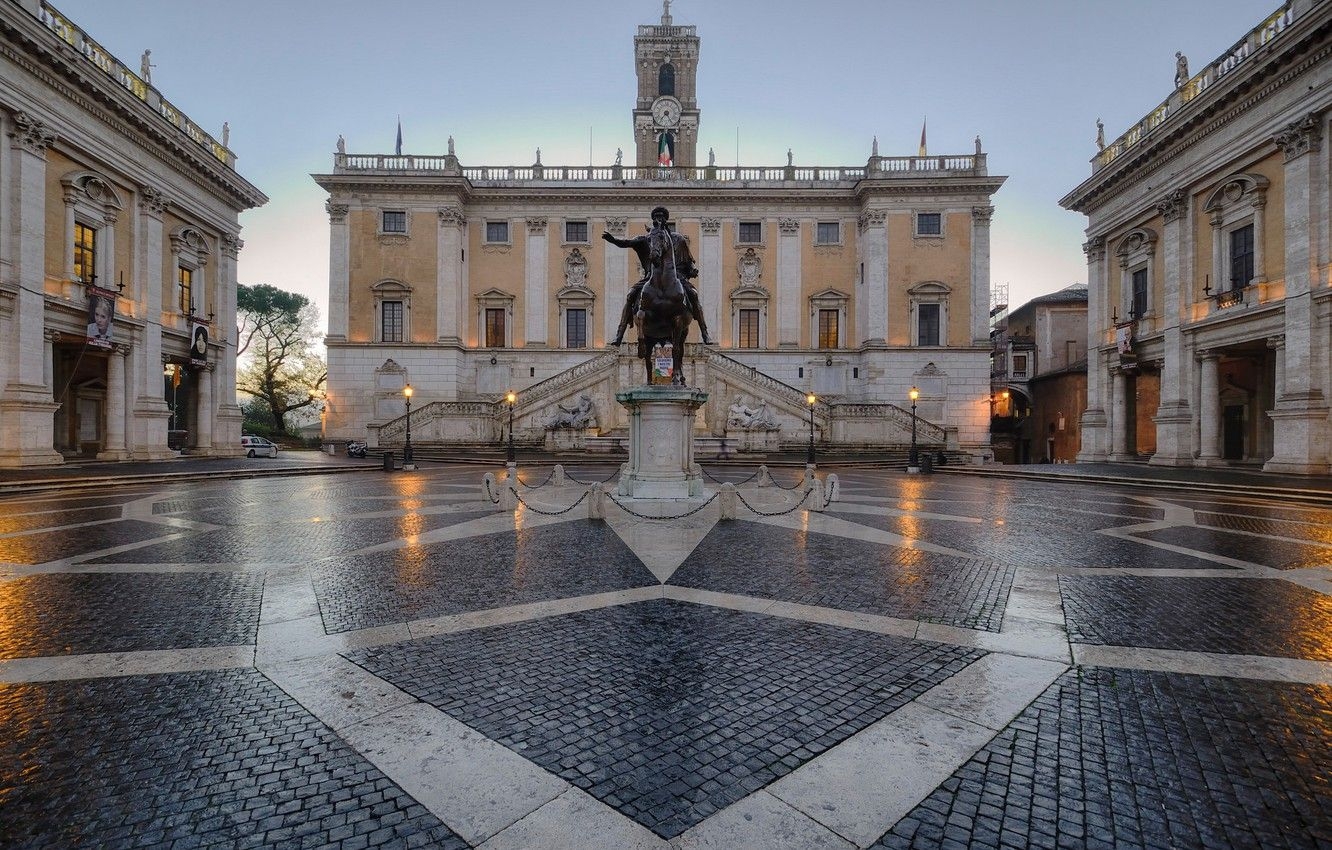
<point>1030,77</point>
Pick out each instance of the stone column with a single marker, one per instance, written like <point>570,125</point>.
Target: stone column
<point>114,448</point>
<point>788,283</point>
<point>26,405</point>
<point>1209,411</point>
<point>1278,345</point>
<point>615,262</point>
<point>339,270</point>
<point>449,303</point>
<point>148,437</point>
<point>1094,422</point>
<point>873,304</point>
<point>535,274</point>
<point>980,275</point>
<point>1302,432</point>
<point>710,283</point>
<point>204,413</point>
<point>1174,416</point>
<point>1119,422</point>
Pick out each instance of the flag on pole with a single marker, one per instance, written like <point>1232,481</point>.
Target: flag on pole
<point>922,138</point>
<point>175,376</point>
<point>664,150</point>
<point>397,148</point>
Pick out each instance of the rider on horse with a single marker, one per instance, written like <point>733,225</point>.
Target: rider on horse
<point>684,261</point>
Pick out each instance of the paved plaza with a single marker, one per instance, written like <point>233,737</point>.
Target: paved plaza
<point>388,660</point>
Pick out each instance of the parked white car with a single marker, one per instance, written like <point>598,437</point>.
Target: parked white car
<point>258,447</point>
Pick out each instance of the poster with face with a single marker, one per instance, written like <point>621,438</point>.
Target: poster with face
<point>101,313</point>
<point>199,345</point>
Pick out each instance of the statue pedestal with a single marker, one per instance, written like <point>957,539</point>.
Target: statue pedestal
<point>661,443</point>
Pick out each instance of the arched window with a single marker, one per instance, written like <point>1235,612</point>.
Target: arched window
<point>666,79</point>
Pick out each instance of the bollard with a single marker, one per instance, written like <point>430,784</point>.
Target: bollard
<point>388,461</point>
<point>832,488</point>
<point>596,502</point>
<point>814,495</point>
<point>926,463</point>
<point>727,500</point>
<point>557,475</point>
<point>764,477</point>
<point>509,497</point>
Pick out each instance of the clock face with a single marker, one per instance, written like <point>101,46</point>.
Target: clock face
<point>666,111</point>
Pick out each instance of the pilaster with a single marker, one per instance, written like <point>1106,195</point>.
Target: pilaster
<point>535,276</point>
<point>615,265</point>
<point>1094,422</point>
<point>980,274</point>
<point>710,277</point>
<point>788,282</point>
<point>449,306</point>
<point>873,249</point>
<point>339,270</point>
<point>1174,416</point>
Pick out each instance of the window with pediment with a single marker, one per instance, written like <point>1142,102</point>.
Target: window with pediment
<point>929,313</point>
<point>1235,209</point>
<point>92,206</point>
<point>393,310</point>
<point>1137,273</point>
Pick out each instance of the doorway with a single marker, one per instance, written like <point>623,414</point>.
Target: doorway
<point>1232,432</point>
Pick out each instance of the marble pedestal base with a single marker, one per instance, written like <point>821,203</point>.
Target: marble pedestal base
<point>661,443</point>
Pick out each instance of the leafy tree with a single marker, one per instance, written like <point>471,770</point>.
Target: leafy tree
<point>277,333</point>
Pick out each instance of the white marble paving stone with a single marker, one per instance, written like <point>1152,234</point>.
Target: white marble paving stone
<point>288,595</point>
<point>110,664</point>
<point>760,821</point>
<point>473,784</point>
<point>575,821</point>
<point>863,786</point>
<point>451,623</point>
<point>662,546</point>
<point>994,689</point>
<point>338,692</point>
<point>1205,663</point>
<point>1029,638</point>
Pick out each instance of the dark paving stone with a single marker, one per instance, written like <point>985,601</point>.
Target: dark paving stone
<point>78,613</point>
<point>851,575</point>
<point>1309,530</point>
<point>1281,554</point>
<point>1046,538</point>
<point>49,518</point>
<point>1130,759</point>
<point>488,571</point>
<point>261,540</point>
<point>665,711</point>
<point>190,760</point>
<point>1243,616</point>
<point>41,547</point>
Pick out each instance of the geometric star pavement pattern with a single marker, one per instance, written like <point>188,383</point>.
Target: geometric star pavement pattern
<point>386,660</point>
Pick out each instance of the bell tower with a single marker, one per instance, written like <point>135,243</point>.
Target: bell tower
<point>666,113</point>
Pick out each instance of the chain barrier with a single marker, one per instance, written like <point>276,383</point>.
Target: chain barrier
<point>736,483</point>
<point>593,481</point>
<point>633,512</point>
<point>537,510</point>
<point>519,476</point>
<point>493,497</point>
<point>794,486</point>
<point>789,510</point>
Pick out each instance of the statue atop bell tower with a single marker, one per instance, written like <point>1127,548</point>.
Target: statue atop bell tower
<point>666,111</point>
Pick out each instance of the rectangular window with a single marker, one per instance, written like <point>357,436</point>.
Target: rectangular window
<point>85,252</point>
<point>1241,257</point>
<point>575,328</point>
<point>828,233</point>
<point>395,221</point>
<point>495,327</point>
<point>929,224</point>
<point>927,324</point>
<point>1139,306</point>
<point>750,232</point>
<point>185,288</point>
<point>1073,351</point>
<point>828,328</point>
<point>749,329</point>
<point>497,231</point>
<point>575,231</point>
<point>1019,365</point>
<point>390,321</point>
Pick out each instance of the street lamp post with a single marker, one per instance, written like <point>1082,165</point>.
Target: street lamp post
<point>913,461</point>
<point>510,397</point>
<point>407,448</point>
<point>809,458</point>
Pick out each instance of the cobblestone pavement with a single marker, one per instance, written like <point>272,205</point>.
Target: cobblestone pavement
<point>390,660</point>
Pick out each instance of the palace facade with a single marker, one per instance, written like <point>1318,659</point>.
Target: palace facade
<point>1208,270</point>
<point>118,247</point>
<point>855,283</point>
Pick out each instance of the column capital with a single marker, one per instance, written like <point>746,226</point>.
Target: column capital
<point>1300,137</point>
<point>981,215</point>
<point>709,226</point>
<point>337,213</point>
<point>872,218</point>
<point>1174,206</point>
<point>1205,354</point>
<point>1094,248</point>
<point>1276,342</point>
<point>617,226</point>
<point>31,135</point>
<point>451,217</point>
<point>788,226</point>
<point>152,201</point>
<point>231,245</point>
<point>536,225</point>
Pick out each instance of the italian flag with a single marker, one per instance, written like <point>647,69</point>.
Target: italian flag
<point>664,150</point>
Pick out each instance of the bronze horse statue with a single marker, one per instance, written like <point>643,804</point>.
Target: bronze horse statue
<point>663,311</point>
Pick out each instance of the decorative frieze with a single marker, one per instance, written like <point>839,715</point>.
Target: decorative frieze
<point>1300,137</point>
<point>1174,206</point>
<point>30,134</point>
